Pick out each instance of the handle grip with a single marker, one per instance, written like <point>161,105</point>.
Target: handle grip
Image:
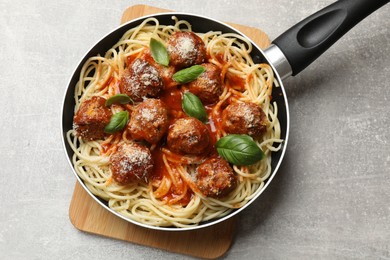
<point>307,40</point>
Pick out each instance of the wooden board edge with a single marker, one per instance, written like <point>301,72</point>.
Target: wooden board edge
<point>82,206</point>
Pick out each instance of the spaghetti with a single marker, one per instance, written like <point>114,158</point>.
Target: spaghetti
<point>172,197</point>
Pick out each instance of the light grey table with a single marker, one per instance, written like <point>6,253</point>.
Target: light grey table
<point>330,199</point>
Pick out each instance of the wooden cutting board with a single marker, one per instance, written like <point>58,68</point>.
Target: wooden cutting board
<point>87,215</point>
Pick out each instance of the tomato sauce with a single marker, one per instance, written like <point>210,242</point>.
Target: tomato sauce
<point>234,81</point>
<point>213,124</point>
<point>159,169</point>
<point>231,80</point>
<point>220,58</point>
<point>172,98</point>
<point>131,58</point>
<point>108,82</point>
<point>105,147</point>
<point>171,198</point>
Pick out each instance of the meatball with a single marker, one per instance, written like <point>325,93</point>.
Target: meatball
<point>244,118</point>
<point>131,163</point>
<point>215,178</point>
<point>188,136</point>
<point>165,72</point>
<point>91,118</point>
<point>208,86</point>
<point>140,80</point>
<point>186,49</point>
<point>149,121</point>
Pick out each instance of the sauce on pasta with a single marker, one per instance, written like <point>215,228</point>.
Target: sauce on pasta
<point>182,188</point>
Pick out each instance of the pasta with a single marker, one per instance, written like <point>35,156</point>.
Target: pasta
<point>173,198</point>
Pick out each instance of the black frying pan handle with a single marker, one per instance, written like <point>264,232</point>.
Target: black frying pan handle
<point>307,40</point>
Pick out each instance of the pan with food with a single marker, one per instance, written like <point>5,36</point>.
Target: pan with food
<point>176,121</point>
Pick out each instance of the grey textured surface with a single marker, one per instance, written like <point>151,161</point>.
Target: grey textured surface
<point>330,199</point>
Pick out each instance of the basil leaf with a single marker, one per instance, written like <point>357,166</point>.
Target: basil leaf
<point>159,52</point>
<point>192,106</point>
<point>117,122</point>
<point>188,74</point>
<point>239,149</point>
<point>118,99</point>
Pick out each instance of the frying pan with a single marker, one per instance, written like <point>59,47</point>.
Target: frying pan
<point>288,55</point>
